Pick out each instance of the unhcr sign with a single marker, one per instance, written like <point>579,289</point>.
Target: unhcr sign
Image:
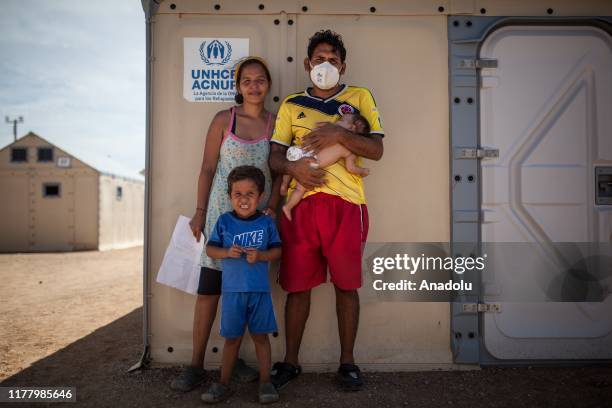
<point>209,68</point>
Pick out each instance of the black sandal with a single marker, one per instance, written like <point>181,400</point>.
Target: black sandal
<point>282,373</point>
<point>349,377</point>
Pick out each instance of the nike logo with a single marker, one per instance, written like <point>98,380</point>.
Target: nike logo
<point>301,115</point>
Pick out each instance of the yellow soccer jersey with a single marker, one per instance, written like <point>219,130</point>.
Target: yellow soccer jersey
<point>299,114</point>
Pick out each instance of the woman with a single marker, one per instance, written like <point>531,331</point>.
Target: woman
<point>236,137</point>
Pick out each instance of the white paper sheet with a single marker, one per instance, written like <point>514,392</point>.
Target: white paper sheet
<point>180,267</point>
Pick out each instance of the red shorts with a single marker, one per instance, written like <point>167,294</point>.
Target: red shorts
<point>326,231</point>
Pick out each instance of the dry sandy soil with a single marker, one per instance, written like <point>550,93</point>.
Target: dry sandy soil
<point>76,319</point>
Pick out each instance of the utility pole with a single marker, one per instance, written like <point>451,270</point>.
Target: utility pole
<point>14,122</point>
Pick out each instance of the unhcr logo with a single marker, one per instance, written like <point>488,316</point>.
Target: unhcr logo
<point>215,53</point>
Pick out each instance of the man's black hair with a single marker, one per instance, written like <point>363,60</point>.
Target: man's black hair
<point>246,173</point>
<point>327,37</point>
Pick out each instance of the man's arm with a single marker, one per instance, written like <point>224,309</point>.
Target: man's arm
<point>370,147</point>
<point>301,169</point>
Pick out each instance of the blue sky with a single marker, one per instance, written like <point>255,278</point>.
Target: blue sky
<point>75,70</point>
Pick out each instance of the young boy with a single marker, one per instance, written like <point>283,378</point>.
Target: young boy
<point>326,157</point>
<point>245,240</point>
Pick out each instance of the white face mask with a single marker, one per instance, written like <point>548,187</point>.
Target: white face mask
<point>324,76</point>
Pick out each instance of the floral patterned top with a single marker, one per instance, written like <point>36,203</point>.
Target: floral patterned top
<point>235,152</point>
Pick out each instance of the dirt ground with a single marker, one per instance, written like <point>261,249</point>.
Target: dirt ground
<point>76,320</point>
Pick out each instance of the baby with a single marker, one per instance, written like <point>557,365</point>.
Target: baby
<point>326,157</point>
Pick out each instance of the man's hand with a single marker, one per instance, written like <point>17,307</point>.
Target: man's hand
<point>234,251</point>
<point>324,135</point>
<point>252,255</point>
<point>306,171</point>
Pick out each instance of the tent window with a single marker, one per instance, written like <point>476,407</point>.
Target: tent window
<point>51,190</point>
<point>119,193</point>
<point>45,154</point>
<point>19,154</point>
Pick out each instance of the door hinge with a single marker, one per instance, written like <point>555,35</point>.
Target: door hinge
<point>477,63</point>
<point>482,308</point>
<point>478,153</point>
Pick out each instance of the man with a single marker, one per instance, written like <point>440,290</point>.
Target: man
<point>330,224</point>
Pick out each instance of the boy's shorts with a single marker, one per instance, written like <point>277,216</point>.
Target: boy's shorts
<point>210,281</point>
<point>326,231</point>
<point>239,309</point>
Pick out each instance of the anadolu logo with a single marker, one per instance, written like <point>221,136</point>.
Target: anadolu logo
<point>345,109</point>
<point>215,53</point>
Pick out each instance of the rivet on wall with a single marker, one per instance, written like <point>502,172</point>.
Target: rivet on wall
<point>304,9</point>
<point>441,9</point>
<point>290,22</point>
<point>275,99</point>
<point>215,349</point>
<point>372,9</point>
<point>457,178</point>
<point>455,23</point>
<point>470,100</point>
<point>172,6</point>
<point>261,7</point>
<point>550,11</point>
<point>217,7</point>
<point>290,59</point>
<point>457,100</point>
<point>276,22</point>
<point>468,23</point>
<point>483,11</point>
<point>170,349</point>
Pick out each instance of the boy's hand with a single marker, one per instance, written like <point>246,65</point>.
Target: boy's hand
<point>252,255</point>
<point>234,251</point>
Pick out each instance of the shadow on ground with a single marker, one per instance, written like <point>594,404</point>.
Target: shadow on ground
<point>96,365</point>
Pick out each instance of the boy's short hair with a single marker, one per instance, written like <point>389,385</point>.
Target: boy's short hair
<point>327,37</point>
<point>362,126</point>
<point>246,173</point>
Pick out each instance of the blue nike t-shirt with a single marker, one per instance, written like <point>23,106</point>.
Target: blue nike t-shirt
<point>257,231</point>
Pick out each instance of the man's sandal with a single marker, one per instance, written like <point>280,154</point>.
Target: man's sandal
<point>282,373</point>
<point>349,377</point>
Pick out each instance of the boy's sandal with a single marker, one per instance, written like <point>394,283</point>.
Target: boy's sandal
<point>267,393</point>
<point>217,392</point>
<point>243,373</point>
<point>282,373</point>
<point>349,377</point>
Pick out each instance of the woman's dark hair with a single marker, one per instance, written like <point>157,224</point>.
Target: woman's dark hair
<point>246,173</point>
<point>327,37</point>
<point>238,97</point>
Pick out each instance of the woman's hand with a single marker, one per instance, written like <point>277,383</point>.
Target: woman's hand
<point>196,224</point>
<point>270,211</point>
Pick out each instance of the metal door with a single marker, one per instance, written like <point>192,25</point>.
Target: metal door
<point>547,107</point>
